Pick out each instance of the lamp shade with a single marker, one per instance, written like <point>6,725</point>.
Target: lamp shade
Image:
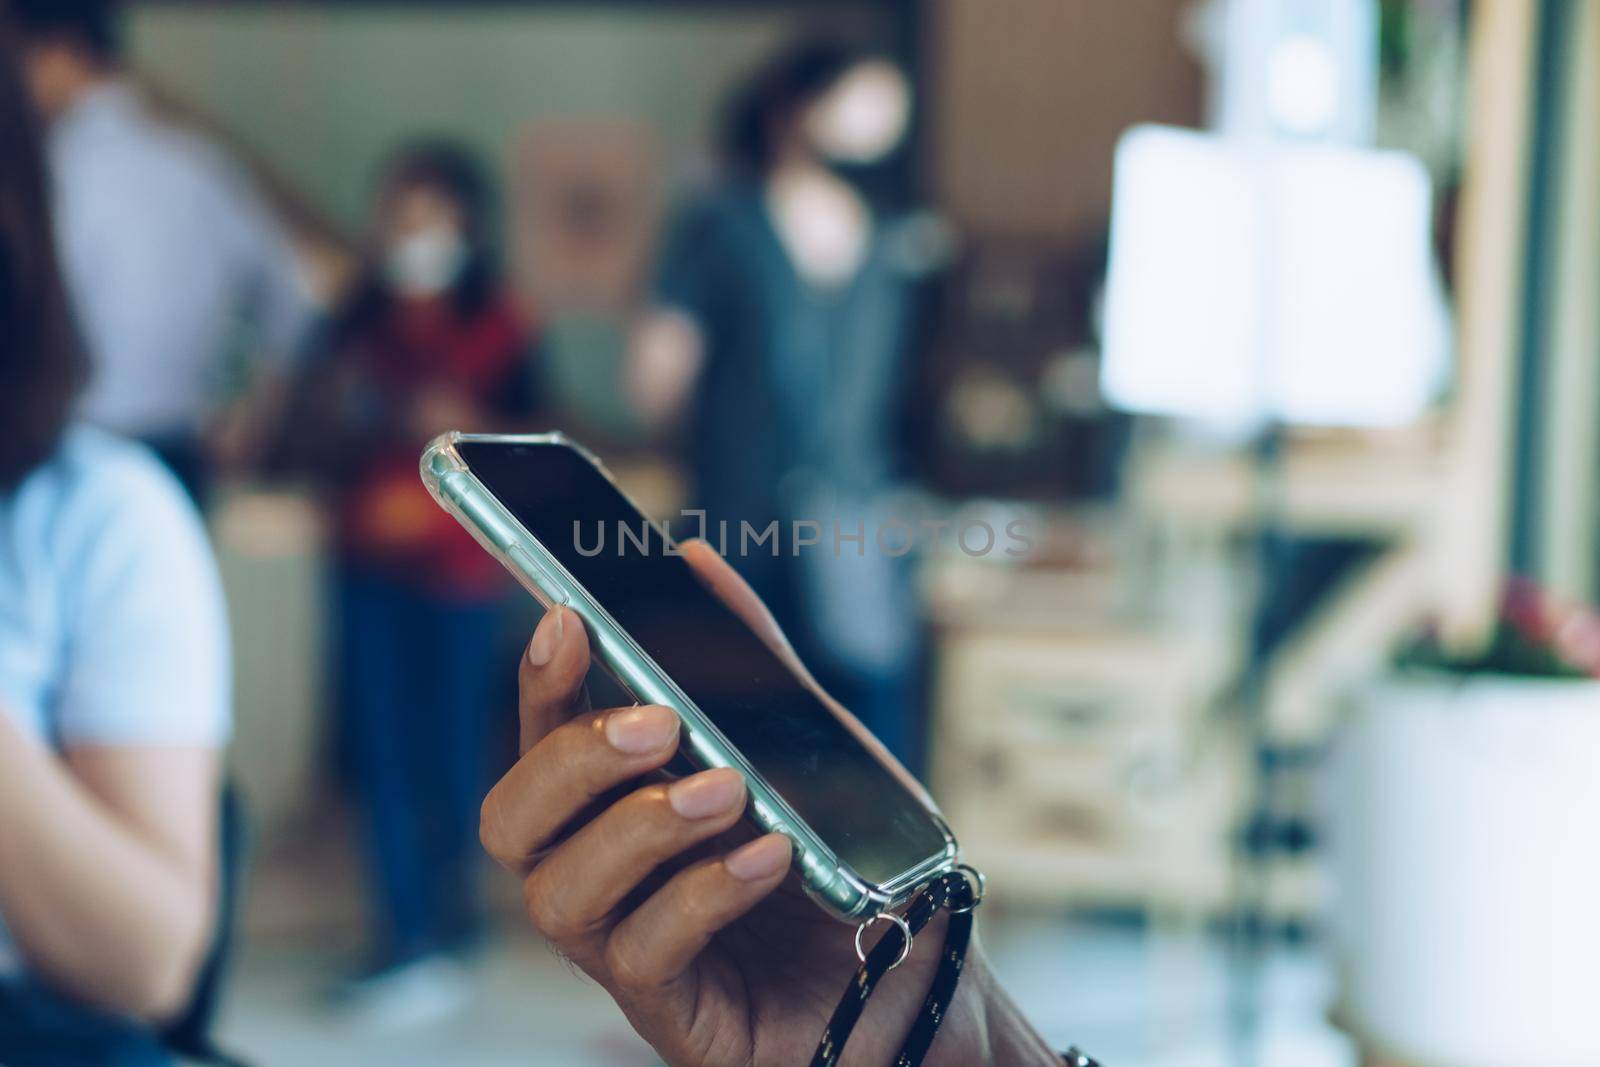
<point>1256,281</point>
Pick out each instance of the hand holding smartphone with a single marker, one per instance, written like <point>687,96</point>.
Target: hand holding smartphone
<point>864,835</point>
<point>712,952</point>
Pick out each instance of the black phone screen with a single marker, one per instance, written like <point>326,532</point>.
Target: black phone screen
<point>868,817</point>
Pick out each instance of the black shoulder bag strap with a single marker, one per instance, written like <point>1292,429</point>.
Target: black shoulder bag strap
<point>959,892</point>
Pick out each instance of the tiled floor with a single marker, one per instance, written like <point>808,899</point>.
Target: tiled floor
<point>529,1010</point>
<point>1132,998</point>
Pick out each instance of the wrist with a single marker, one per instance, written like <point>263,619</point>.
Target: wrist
<point>998,1034</point>
<point>1013,1040</point>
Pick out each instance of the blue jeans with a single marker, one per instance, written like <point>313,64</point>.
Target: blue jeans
<point>40,1028</point>
<point>417,673</point>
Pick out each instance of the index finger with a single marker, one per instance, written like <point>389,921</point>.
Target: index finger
<point>550,677</point>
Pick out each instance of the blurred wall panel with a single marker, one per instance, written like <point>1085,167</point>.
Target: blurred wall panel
<point>1030,96</point>
<point>269,548</point>
<point>1571,497</point>
<point>322,92</point>
<point>1470,558</point>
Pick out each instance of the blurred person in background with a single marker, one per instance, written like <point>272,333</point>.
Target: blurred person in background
<point>171,258</point>
<point>114,683</point>
<point>781,330</point>
<point>429,342</point>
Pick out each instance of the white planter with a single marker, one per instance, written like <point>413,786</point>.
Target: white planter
<point>1467,845</point>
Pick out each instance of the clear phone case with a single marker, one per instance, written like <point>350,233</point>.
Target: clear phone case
<point>834,885</point>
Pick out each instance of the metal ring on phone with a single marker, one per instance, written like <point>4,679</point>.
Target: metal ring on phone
<point>905,928</point>
<point>978,882</point>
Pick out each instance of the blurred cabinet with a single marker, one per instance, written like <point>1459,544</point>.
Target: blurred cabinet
<point>1078,761</point>
<point>1010,377</point>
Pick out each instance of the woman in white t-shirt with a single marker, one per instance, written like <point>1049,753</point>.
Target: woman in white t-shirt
<point>114,683</point>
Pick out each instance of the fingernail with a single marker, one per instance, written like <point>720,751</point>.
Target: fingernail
<point>760,859</point>
<point>640,730</point>
<point>545,637</point>
<point>706,794</point>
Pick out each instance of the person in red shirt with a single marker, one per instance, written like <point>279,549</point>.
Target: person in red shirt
<point>429,343</point>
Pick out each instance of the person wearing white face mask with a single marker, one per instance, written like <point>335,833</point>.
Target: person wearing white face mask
<point>783,305</point>
<point>426,261</point>
<point>429,343</point>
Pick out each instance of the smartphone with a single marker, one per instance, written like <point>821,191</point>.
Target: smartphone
<point>865,834</point>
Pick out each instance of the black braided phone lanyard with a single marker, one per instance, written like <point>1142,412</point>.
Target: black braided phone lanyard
<point>960,891</point>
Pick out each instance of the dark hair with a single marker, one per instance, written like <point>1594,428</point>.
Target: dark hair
<point>776,94</point>
<point>451,169</point>
<point>41,362</point>
<point>90,24</point>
